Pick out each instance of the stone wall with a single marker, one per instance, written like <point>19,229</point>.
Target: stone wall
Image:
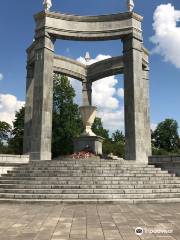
<point>9,162</point>
<point>4,158</point>
<point>170,163</point>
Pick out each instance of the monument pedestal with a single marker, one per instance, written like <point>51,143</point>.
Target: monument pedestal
<point>92,143</point>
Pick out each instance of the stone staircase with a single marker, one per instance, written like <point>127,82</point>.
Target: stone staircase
<point>89,180</point>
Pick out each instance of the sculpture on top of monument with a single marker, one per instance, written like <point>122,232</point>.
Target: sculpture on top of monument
<point>47,4</point>
<point>87,57</point>
<point>130,5</point>
<point>88,112</point>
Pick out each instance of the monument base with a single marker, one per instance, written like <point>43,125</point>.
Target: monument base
<point>92,143</point>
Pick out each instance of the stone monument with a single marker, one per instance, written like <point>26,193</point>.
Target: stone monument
<point>42,63</point>
<point>88,140</point>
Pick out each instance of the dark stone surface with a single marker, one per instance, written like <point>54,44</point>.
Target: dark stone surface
<point>93,143</point>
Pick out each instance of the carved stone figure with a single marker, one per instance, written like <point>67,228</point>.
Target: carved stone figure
<point>47,4</point>
<point>87,57</point>
<point>130,5</point>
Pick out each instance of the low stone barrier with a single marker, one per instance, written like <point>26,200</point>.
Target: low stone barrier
<point>9,162</point>
<point>4,158</point>
<point>169,163</point>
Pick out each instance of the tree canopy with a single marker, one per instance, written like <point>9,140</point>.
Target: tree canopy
<point>165,136</point>
<point>99,130</point>
<point>67,122</point>
<point>118,136</point>
<point>16,140</point>
<point>5,131</point>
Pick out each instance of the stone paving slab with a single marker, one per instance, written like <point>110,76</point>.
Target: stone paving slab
<point>89,221</point>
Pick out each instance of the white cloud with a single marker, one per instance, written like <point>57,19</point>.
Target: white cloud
<point>120,92</point>
<point>167,33</point>
<point>104,90</point>
<point>1,76</point>
<point>112,120</point>
<point>153,126</point>
<point>98,58</point>
<point>9,104</point>
<point>105,95</point>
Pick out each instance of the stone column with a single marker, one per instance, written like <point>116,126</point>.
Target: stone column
<point>136,101</point>
<point>87,93</point>
<point>147,123</point>
<point>28,109</point>
<point>43,99</point>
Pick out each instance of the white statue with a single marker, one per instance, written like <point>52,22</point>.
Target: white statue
<point>87,57</point>
<point>130,5</point>
<point>47,4</point>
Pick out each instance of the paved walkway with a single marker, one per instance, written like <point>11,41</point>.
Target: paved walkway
<point>89,221</point>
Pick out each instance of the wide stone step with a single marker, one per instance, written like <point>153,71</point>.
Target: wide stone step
<point>89,201</point>
<point>89,165</point>
<point>82,161</point>
<point>89,191</point>
<point>84,186</point>
<point>86,170</point>
<point>89,182</point>
<point>79,170</point>
<point>84,176</point>
<point>86,164</point>
<point>90,177</point>
<point>90,196</point>
<point>72,168</point>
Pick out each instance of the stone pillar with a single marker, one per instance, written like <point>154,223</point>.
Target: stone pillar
<point>136,101</point>
<point>147,123</point>
<point>43,99</point>
<point>28,109</point>
<point>87,93</point>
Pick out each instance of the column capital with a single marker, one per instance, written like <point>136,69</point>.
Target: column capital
<point>45,41</point>
<point>132,41</point>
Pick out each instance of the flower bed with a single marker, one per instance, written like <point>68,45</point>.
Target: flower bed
<point>82,154</point>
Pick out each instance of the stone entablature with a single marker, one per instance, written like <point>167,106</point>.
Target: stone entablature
<point>104,27</point>
<point>70,68</point>
<point>93,72</point>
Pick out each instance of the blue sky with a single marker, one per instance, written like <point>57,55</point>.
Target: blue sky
<point>17,31</point>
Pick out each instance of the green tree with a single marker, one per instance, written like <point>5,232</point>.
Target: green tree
<point>16,141</point>
<point>98,128</point>
<point>117,148</point>
<point>5,132</point>
<point>67,122</point>
<point>165,136</point>
<point>118,136</point>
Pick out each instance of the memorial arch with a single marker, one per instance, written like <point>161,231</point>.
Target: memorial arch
<point>42,63</point>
